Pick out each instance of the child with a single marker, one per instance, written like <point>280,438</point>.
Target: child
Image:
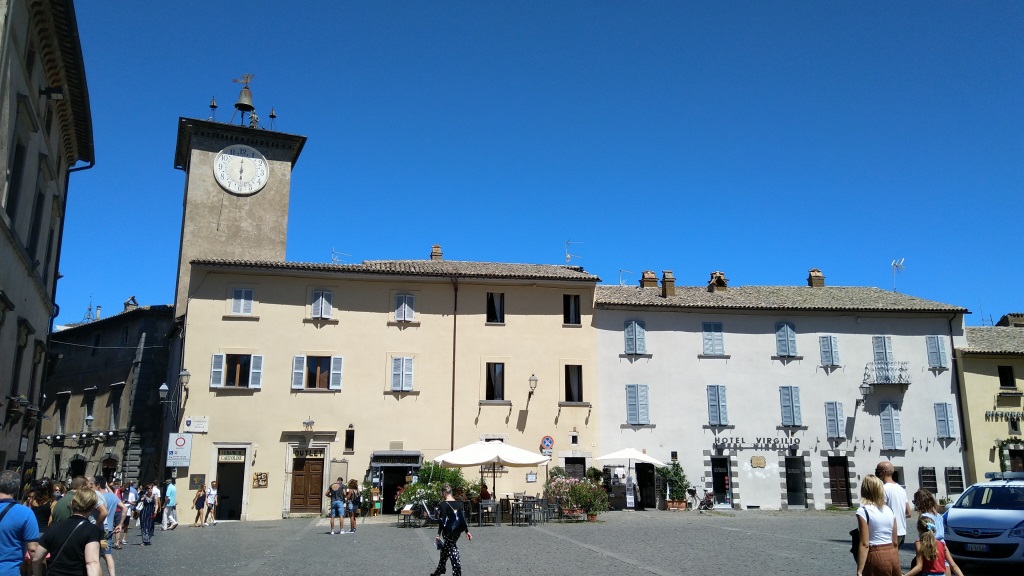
<point>933,557</point>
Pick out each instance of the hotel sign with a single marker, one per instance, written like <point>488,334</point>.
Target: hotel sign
<point>763,442</point>
<point>1003,415</point>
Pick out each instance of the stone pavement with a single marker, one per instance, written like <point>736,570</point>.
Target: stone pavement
<point>651,542</point>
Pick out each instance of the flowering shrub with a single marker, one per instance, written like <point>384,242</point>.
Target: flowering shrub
<point>560,487</point>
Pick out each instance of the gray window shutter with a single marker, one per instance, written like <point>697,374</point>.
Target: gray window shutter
<point>396,374</point>
<point>786,399</point>
<point>298,372</point>
<point>834,341</point>
<point>713,419</point>
<point>641,338</point>
<point>632,404</point>
<point>825,344</point>
<point>841,419</point>
<point>831,420</point>
<point>643,413</point>
<point>888,438</point>
<point>882,346</point>
<point>936,352</point>
<point>897,433</point>
<point>797,418</point>
<point>237,296</point>
<point>337,363</point>
<point>256,371</point>
<point>785,339</point>
<point>217,371</point>
<point>713,341</point>
<point>723,413</point>
<point>630,331</point>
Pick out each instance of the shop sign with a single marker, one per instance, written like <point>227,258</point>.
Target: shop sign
<point>1003,416</point>
<point>308,453</point>
<point>762,442</point>
<point>231,455</point>
<point>259,479</point>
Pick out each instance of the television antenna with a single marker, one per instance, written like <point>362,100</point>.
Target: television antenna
<point>88,313</point>
<point>568,256</point>
<point>336,257</point>
<point>897,266</point>
<point>621,272</point>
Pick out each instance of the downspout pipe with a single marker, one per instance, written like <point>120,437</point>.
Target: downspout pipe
<point>455,331</point>
<point>959,395</point>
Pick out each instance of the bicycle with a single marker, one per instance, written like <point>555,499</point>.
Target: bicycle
<point>705,503</point>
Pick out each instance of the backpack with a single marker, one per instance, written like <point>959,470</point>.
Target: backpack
<point>357,499</point>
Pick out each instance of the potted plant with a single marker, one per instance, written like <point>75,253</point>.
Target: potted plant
<point>673,486</point>
<point>590,497</point>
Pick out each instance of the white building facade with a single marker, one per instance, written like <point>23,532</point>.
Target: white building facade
<point>781,396</point>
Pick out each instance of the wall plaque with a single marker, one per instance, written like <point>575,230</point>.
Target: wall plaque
<point>757,461</point>
<point>259,479</point>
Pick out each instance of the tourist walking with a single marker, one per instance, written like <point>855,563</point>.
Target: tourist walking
<point>19,531</point>
<point>452,525</point>
<point>74,543</point>
<point>877,554</point>
<point>147,514</point>
<point>927,507</point>
<point>895,499</point>
<point>170,518</point>
<point>932,555</point>
<point>199,503</point>
<point>211,504</point>
<point>62,509</point>
<point>336,492</point>
<point>41,501</point>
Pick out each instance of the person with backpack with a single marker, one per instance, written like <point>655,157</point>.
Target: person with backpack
<point>352,501</point>
<point>877,554</point>
<point>933,557</point>
<point>452,525</point>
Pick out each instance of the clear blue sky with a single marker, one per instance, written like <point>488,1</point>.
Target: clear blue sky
<point>757,138</point>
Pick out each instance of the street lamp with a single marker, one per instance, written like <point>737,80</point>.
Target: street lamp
<point>163,392</point>
<point>533,385</point>
<point>865,390</point>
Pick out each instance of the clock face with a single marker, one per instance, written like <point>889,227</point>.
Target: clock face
<point>241,169</point>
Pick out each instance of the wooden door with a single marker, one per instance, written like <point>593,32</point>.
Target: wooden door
<point>838,480</point>
<point>307,484</point>
<point>576,467</point>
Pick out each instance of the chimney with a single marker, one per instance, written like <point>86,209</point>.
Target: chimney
<point>815,279</point>
<point>648,279</point>
<point>718,282</point>
<point>130,304</point>
<point>435,252</point>
<point>668,284</point>
<point>98,310</point>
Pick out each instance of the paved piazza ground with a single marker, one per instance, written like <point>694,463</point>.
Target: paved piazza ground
<point>651,542</point>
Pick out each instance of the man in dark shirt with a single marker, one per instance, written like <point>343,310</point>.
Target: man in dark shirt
<point>74,543</point>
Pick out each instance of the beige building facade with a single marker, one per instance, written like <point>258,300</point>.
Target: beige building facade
<point>992,393</point>
<point>306,372</point>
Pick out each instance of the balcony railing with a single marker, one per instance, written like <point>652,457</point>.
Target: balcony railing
<point>883,373</point>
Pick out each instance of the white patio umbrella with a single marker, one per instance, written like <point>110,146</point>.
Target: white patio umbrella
<point>631,454</point>
<point>490,452</point>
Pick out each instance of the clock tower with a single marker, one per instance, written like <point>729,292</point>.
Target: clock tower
<point>237,186</point>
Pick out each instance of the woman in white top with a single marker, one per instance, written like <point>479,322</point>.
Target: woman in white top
<point>877,555</point>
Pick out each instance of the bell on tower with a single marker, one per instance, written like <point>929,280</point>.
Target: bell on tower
<point>244,103</point>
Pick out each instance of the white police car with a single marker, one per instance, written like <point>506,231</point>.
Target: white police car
<point>986,524</point>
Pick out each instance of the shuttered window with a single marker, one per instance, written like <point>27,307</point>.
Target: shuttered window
<point>936,351</point>
<point>636,337</point>
<point>835,421</point>
<point>714,344</point>
<point>944,420</point>
<point>401,374</point>
<point>637,408</point>
<point>405,308</point>
<point>718,415</point>
<point>322,304</point>
<point>785,339</point>
<point>789,397</point>
<point>829,346</point>
<point>241,301</point>
<point>236,370</point>
<point>892,435</point>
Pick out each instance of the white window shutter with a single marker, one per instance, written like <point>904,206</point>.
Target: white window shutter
<point>897,433</point>
<point>247,301</point>
<point>795,393</point>
<point>709,339</point>
<point>396,374</point>
<point>217,371</point>
<point>256,371</point>
<point>826,350</point>
<point>888,438</point>
<point>407,375</point>
<point>643,412</point>
<point>831,420</point>
<point>834,341</point>
<point>326,304</point>
<point>641,338</point>
<point>315,304</point>
<point>337,363</point>
<point>713,405</point>
<point>723,412</point>
<point>399,307</point>
<point>298,372</point>
<point>410,308</point>
<point>786,400</point>
<point>841,420</point>
<point>236,300</point>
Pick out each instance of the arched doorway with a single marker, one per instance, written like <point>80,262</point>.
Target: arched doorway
<point>109,466</point>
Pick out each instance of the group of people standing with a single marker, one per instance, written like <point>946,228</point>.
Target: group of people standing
<point>882,522</point>
<point>345,502</point>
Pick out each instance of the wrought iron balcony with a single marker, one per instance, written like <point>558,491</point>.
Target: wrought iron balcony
<point>887,373</point>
